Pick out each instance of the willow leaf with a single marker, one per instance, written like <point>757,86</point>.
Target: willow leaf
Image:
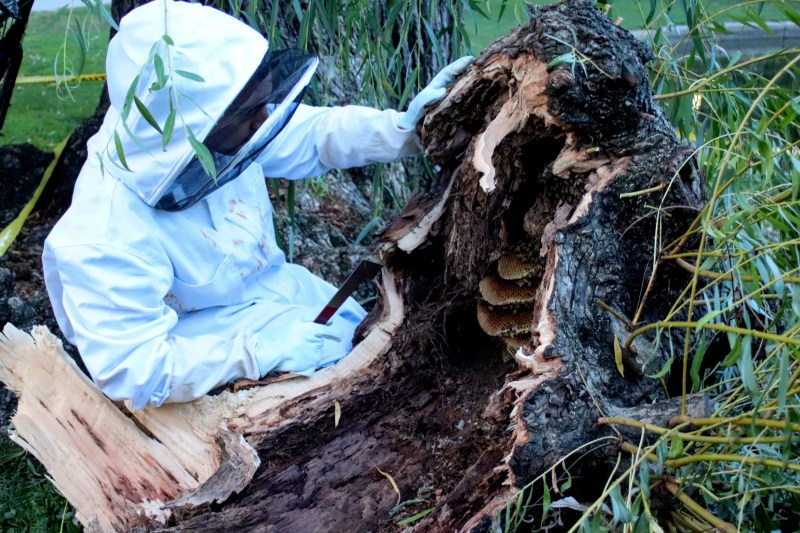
<point>146,114</point>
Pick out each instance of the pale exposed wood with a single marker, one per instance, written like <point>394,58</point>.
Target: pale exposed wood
<point>240,461</point>
<point>123,468</point>
<point>529,101</point>
<point>97,457</point>
<point>417,234</point>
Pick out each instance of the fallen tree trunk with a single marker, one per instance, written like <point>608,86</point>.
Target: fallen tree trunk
<point>490,354</point>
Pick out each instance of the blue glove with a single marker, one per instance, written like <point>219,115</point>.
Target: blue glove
<point>434,92</point>
<point>300,348</point>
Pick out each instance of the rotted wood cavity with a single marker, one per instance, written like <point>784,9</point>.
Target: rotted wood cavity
<point>539,188</point>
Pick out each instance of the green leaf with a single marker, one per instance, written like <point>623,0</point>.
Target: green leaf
<point>434,41</point>
<point>161,76</point>
<point>783,380</point>
<point>733,355</point>
<point>644,480</point>
<point>190,75</point>
<point>203,155</point>
<point>651,14</point>
<point>546,500</point>
<point>790,12</point>
<point>567,484</point>
<point>412,519</point>
<point>747,370</point>
<point>77,31</point>
<point>618,357</point>
<point>410,83</point>
<point>596,524</point>
<point>697,363</point>
<point>705,319</point>
<point>194,103</point>
<point>169,127</point>
<point>619,507</point>
<point>305,26</point>
<point>120,151</point>
<point>664,369</point>
<point>146,114</point>
<point>106,14</point>
<point>367,229</point>
<point>661,454</point>
<point>167,39</point>
<point>761,23</point>
<point>402,505</point>
<point>567,57</point>
<point>128,102</point>
<point>675,447</point>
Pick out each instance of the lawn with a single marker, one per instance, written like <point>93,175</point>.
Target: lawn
<point>632,12</point>
<point>38,114</point>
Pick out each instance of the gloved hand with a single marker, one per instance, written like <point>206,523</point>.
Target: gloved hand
<point>434,92</point>
<point>300,348</point>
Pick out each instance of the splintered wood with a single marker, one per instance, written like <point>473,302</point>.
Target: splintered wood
<point>121,469</point>
<point>108,469</point>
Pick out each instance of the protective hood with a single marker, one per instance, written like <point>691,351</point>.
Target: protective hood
<point>254,118</point>
<point>208,56</point>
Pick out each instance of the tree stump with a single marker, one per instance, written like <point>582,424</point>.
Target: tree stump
<point>490,354</point>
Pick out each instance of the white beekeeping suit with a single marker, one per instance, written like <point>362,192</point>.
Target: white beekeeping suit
<point>168,281</point>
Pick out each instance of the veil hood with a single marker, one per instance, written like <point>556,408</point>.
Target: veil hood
<point>209,57</point>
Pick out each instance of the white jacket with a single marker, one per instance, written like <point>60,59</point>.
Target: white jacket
<point>165,306</point>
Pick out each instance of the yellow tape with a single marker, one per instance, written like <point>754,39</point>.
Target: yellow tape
<point>9,234</point>
<point>27,80</point>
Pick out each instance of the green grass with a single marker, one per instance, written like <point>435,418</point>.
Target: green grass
<point>38,114</point>
<point>633,14</point>
<point>28,501</point>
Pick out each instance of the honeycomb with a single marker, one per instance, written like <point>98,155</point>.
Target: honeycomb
<point>498,292</point>
<point>507,298</point>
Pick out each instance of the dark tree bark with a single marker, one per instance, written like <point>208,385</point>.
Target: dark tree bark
<point>495,344</point>
<point>533,161</point>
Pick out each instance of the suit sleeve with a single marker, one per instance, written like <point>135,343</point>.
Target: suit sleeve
<point>121,326</point>
<point>318,139</point>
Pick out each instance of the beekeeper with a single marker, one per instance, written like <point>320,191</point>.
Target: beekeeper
<point>166,275</point>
